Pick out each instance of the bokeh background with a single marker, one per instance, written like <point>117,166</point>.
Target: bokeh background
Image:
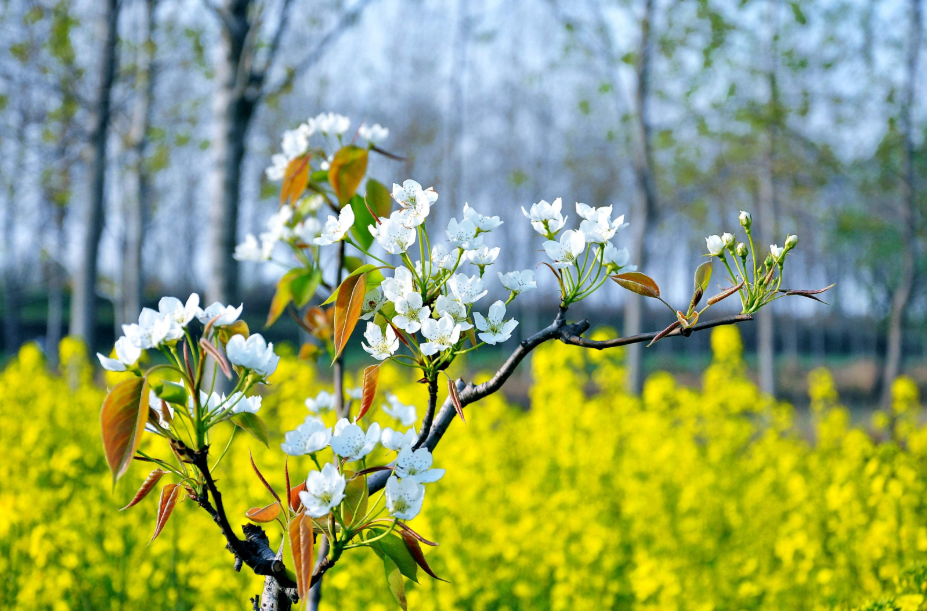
<point>133,140</point>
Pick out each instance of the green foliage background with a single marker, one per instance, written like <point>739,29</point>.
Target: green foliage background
<point>592,499</point>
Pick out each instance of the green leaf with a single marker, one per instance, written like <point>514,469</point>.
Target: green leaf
<point>252,424</point>
<point>378,198</point>
<point>362,220</point>
<point>355,498</point>
<point>305,285</point>
<point>703,276</point>
<point>395,548</point>
<point>374,278</point>
<point>346,171</point>
<point>394,581</point>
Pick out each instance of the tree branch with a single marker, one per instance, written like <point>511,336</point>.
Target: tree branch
<point>429,414</point>
<point>568,333</point>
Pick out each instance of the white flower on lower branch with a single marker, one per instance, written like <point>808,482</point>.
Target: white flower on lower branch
<point>127,354</point>
<point>441,335</point>
<point>253,353</point>
<point>324,491</point>
<point>495,329</point>
<point>309,437</point>
<point>404,499</point>
<point>396,441</point>
<point>382,346</point>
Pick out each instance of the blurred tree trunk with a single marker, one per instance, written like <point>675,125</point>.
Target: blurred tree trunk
<point>454,154</point>
<point>908,221</point>
<point>11,284</point>
<point>767,201</point>
<point>645,204</point>
<point>233,109</point>
<point>54,322</point>
<point>138,185</point>
<point>85,279</point>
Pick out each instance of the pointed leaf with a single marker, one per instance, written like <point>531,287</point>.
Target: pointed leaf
<point>371,377</point>
<point>346,171</point>
<point>348,309</point>
<point>123,418</point>
<point>725,294</point>
<point>397,586</point>
<point>264,514</point>
<point>374,278</point>
<point>455,398</point>
<point>393,546</point>
<point>147,486</point>
<point>253,425</point>
<point>416,551</point>
<point>405,527</point>
<point>294,496</point>
<point>282,298</point>
<point>295,179</point>
<point>663,333</point>
<point>169,497</point>
<point>301,544</point>
<point>703,276</point>
<point>810,294</point>
<point>263,481</point>
<point>378,198</point>
<point>305,285</point>
<point>362,220</point>
<point>639,283</point>
<point>370,470</point>
<point>217,356</point>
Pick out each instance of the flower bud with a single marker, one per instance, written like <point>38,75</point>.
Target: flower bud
<point>746,219</point>
<point>791,242</point>
<point>715,245</point>
<point>770,261</point>
<point>728,240</point>
<point>741,250</point>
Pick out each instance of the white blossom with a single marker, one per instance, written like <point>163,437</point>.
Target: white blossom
<point>564,253</point>
<point>600,228</point>
<point>495,329</point>
<point>518,282</point>
<point>155,403</point>
<point>127,354</point>
<point>322,401</point>
<point>416,466</point>
<point>179,312</point>
<point>406,414</point>
<point>399,286</point>
<point>445,305</point>
<point>277,168</point>
<point>483,223</point>
<point>381,346</point>
<point>374,299</point>
<point>545,218</point>
<point>354,393</point>
<point>410,313</point>
<point>396,441</point>
<point>616,257</point>
<point>715,245</point>
<point>444,259</point>
<point>308,230</point>
<point>791,241</point>
<point>392,235</point>
<point>410,191</point>
<point>242,404</point>
<point>441,335</point>
<point>330,123</point>
<point>350,441</point>
<point>463,234</point>
<point>308,438</point>
<point>404,499</point>
<point>253,353</point>
<point>776,252</point>
<point>336,228</point>
<point>374,134</point>
<point>324,491</point>
<point>252,250</point>
<point>746,219</point>
<point>310,204</point>
<point>728,239</point>
<point>483,256</point>
<point>152,329</point>
<point>467,290</point>
<point>226,314</point>
<point>294,143</point>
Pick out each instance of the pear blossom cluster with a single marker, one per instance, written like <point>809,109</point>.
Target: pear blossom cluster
<point>584,257</point>
<point>163,328</point>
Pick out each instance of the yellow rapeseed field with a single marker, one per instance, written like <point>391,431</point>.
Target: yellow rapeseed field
<point>698,499</point>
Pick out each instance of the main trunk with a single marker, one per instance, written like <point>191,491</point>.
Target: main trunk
<point>85,279</point>
<point>233,110</point>
<point>137,180</point>
<point>894,346</point>
<point>646,199</point>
